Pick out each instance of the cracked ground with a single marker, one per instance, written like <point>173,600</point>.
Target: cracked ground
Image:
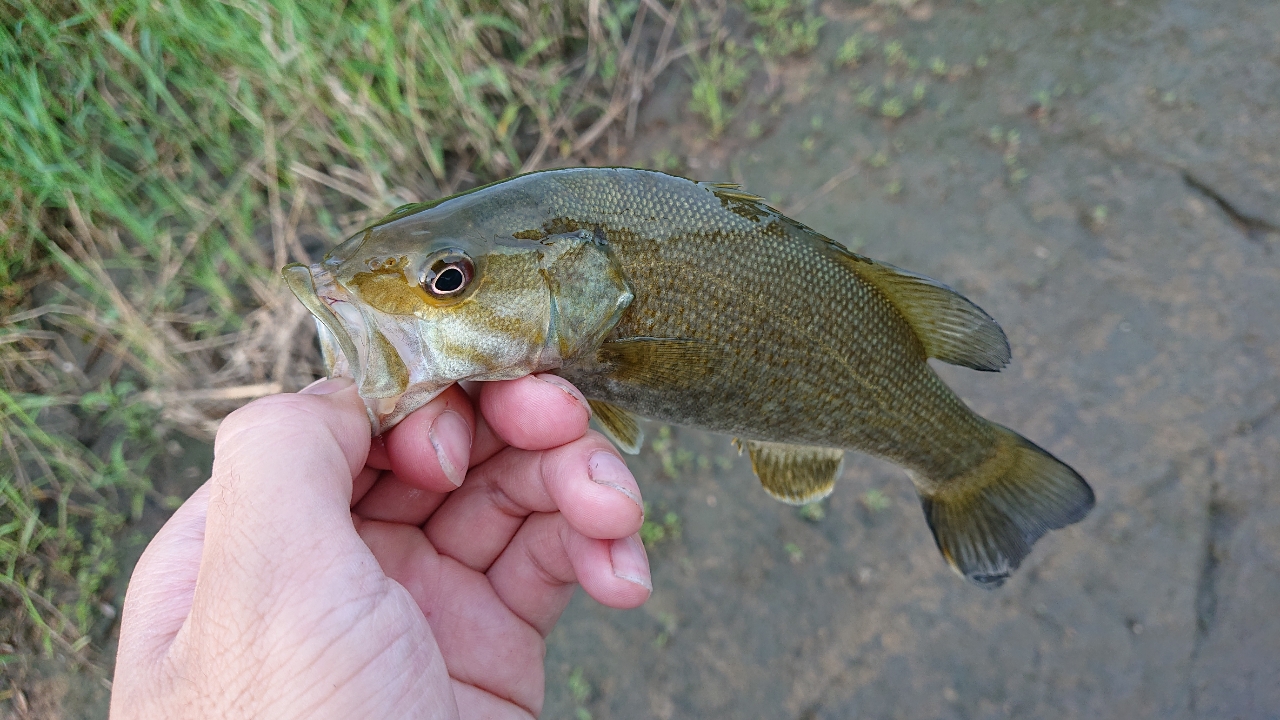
<point>1104,179</point>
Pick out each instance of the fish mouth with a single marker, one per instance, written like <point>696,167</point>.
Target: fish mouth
<point>340,354</point>
<point>365,348</point>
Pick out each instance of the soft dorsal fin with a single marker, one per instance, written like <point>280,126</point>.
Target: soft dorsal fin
<point>951,328</point>
<point>794,474</point>
<point>618,425</point>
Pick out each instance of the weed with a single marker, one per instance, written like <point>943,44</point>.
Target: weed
<point>786,27</point>
<point>674,459</point>
<point>893,108</point>
<point>666,161</point>
<point>813,512</point>
<point>669,625</point>
<point>851,51</point>
<point>893,53</point>
<point>580,690</point>
<point>794,553</point>
<point>876,501</point>
<point>718,78</point>
<point>653,532</point>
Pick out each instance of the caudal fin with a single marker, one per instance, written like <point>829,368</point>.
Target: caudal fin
<point>986,520</point>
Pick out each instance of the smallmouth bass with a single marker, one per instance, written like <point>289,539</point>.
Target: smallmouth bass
<point>696,304</point>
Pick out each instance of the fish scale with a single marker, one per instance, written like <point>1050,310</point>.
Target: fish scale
<point>697,304</point>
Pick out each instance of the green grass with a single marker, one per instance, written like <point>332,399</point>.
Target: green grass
<point>159,161</point>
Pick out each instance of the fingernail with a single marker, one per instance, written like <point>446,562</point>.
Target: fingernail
<point>451,438</point>
<point>326,386</point>
<point>604,468</point>
<point>630,563</point>
<point>565,386</point>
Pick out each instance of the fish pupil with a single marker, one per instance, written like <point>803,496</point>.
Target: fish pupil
<point>449,280</point>
<point>448,273</point>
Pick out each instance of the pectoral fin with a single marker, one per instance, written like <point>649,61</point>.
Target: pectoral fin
<point>618,425</point>
<point>658,362</point>
<point>794,474</point>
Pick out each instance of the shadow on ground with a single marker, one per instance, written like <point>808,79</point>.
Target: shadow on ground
<point>1104,179</point>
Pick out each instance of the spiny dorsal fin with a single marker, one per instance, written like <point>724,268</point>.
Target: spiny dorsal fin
<point>951,328</point>
<point>986,520</point>
<point>794,474</point>
<point>659,362</point>
<point>618,425</point>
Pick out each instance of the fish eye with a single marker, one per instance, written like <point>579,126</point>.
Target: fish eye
<point>447,274</point>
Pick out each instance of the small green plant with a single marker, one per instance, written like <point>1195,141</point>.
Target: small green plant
<point>938,66</point>
<point>875,500</point>
<point>580,690</point>
<point>654,532</point>
<point>666,161</point>
<point>669,625</point>
<point>1044,99</point>
<point>718,78</point>
<point>794,553</point>
<point>786,27</point>
<point>850,53</point>
<point>893,108</point>
<point>813,512</point>
<point>674,459</point>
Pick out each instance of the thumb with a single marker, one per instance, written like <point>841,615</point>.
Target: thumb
<point>282,467</point>
<point>163,582</point>
<point>281,486</point>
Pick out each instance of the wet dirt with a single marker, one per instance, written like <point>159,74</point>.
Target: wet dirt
<point>1103,177</point>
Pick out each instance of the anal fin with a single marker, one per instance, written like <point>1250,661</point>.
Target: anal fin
<point>794,474</point>
<point>618,425</point>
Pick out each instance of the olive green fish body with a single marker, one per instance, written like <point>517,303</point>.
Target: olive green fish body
<point>697,304</point>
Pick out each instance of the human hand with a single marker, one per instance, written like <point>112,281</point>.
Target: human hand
<point>317,574</point>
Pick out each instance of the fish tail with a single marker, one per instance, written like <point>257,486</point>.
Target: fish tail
<point>986,520</point>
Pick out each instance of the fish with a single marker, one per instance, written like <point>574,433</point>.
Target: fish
<point>697,304</point>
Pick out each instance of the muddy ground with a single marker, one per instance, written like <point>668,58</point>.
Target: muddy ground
<point>1127,237</point>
